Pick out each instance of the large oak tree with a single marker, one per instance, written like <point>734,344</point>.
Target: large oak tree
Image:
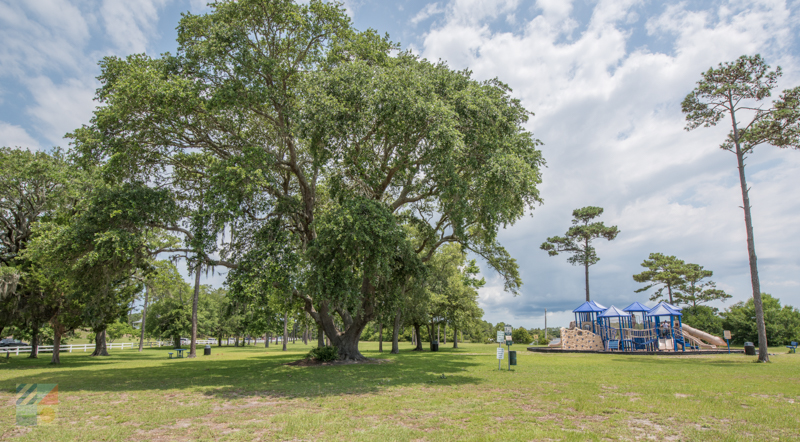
<point>295,121</point>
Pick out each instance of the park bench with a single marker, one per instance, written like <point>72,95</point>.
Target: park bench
<point>793,347</point>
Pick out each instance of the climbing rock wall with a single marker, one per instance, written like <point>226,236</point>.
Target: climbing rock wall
<point>580,340</point>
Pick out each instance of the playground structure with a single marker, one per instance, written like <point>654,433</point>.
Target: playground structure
<point>634,328</point>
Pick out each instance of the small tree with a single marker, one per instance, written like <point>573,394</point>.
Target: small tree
<point>171,318</point>
<point>521,335</point>
<point>579,237</point>
<point>118,329</point>
<point>664,271</point>
<point>693,291</point>
<point>731,90</point>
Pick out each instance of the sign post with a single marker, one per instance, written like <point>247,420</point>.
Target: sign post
<point>500,336</point>
<point>499,357</point>
<point>509,342</point>
<point>727,335</point>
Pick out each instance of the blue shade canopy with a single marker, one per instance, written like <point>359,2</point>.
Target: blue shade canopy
<point>613,312</point>
<point>636,307</point>
<point>589,307</point>
<point>663,309</point>
<point>598,305</point>
<point>673,307</point>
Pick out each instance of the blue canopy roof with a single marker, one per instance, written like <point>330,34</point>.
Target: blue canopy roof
<point>588,307</point>
<point>663,309</point>
<point>613,312</point>
<point>673,307</point>
<point>637,307</point>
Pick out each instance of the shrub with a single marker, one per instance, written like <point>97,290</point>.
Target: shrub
<point>703,318</point>
<point>324,354</point>
<point>543,340</point>
<point>521,336</point>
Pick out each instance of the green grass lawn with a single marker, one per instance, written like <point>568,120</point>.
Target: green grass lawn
<point>248,393</point>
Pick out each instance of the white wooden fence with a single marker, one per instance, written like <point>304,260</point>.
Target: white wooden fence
<point>121,346</point>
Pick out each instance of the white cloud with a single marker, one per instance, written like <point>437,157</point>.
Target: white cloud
<point>41,35</point>
<point>429,10</point>
<point>131,25</point>
<point>16,136</point>
<point>60,108</point>
<point>48,59</point>
<point>609,114</point>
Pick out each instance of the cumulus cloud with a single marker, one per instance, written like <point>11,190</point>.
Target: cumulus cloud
<point>48,59</point>
<point>16,136</point>
<point>130,25</point>
<point>60,108</point>
<point>429,10</point>
<point>608,109</point>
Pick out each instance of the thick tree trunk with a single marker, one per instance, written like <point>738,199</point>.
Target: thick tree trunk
<point>380,338</point>
<point>444,340</point>
<point>144,317</point>
<point>431,337</point>
<point>396,334</point>
<point>455,336</point>
<point>100,344</point>
<point>195,302</point>
<point>418,346</point>
<point>320,337</point>
<point>586,271</point>
<point>763,355</point>
<point>34,343</point>
<point>58,331</point>
<point>285,329</point>
<point>236,341</point>
<point>219,341</point>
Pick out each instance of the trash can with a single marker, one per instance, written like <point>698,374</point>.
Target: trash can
<point>749,349</point>
<point>434,345</point>
<point>512,357</point>
<point>207,350</point>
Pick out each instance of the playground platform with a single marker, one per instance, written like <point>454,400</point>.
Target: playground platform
<point>715,351</point>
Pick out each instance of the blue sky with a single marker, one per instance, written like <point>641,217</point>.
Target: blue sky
<point>604,79</point>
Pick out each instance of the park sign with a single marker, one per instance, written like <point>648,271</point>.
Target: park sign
<point>499,352</point>
<point>509,329</point>
<point>726,334</point>
<point>500,336</point>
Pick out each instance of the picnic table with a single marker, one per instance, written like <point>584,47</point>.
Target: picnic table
<point>180,352</point>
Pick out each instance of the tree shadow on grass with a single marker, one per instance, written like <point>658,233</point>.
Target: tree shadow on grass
<point>252,375</point>
<point>695,362</point>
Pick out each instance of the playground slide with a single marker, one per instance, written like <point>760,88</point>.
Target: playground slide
<point>711,339</point>
<point>665,344</point>
<point>696,341</point>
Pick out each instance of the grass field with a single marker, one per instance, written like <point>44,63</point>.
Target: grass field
<point>248,393</point>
